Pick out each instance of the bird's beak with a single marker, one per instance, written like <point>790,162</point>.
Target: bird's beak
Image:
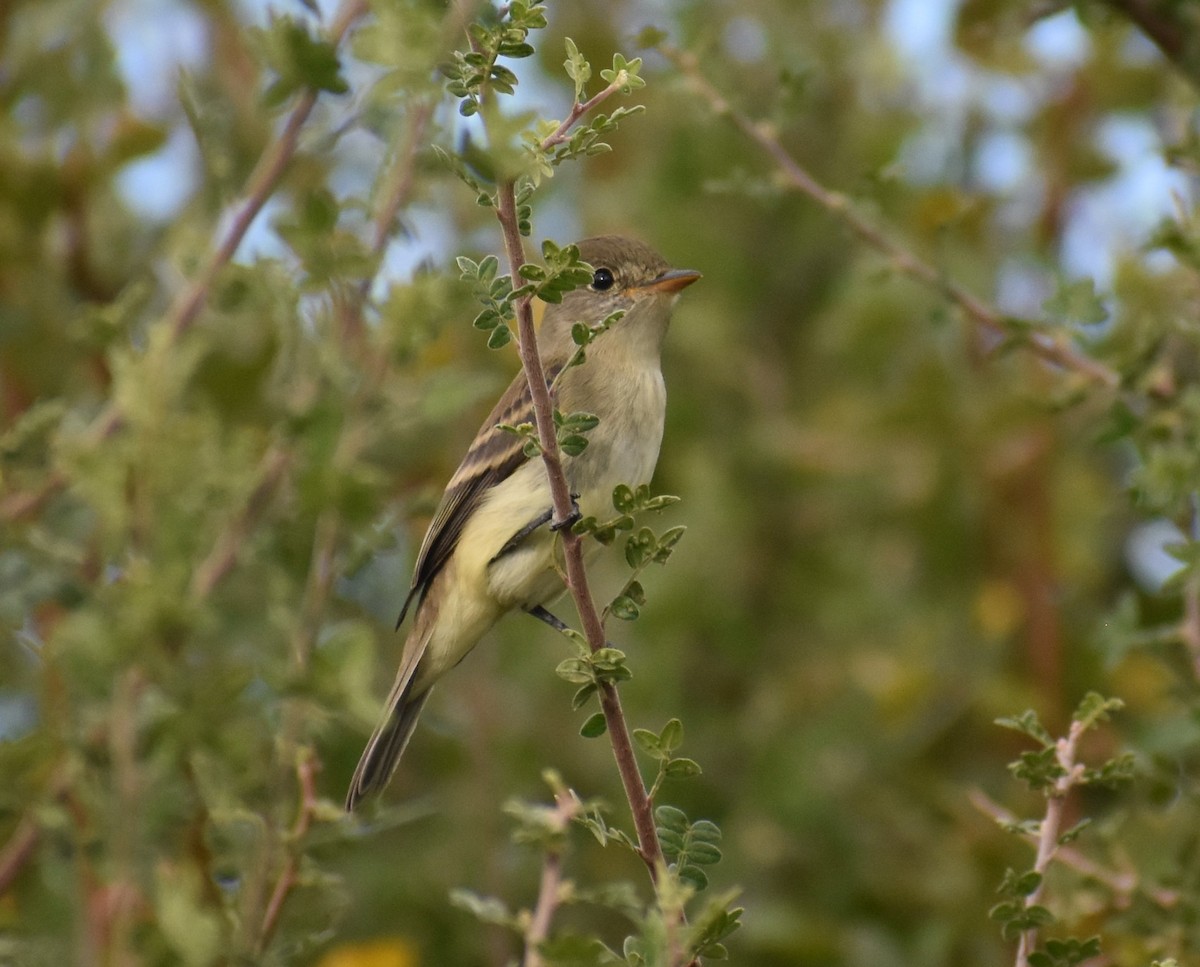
<point>673,281</point>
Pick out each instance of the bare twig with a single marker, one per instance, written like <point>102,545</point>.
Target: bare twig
<point>1050,828</point>
<point>261,186</point>
<point>186,308</point>
<point>306,775</point>
<point>578,110</point>
<point>1122,884</point>
<point>401,176</point>
<point>1171,26</point>
<point>567,807</point>
<point>903,260</point>
<point>18,851</point>
<point>223,556</point>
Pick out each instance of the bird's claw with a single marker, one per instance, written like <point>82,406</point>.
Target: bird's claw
<point>573,518</point>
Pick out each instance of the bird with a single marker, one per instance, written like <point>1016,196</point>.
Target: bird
<point>490,548</point>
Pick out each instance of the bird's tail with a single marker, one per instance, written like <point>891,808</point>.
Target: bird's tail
<point>395,728</point>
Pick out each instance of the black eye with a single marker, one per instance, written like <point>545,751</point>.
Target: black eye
<point>603,279</point>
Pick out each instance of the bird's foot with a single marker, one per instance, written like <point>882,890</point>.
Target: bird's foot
<point>573,518</point>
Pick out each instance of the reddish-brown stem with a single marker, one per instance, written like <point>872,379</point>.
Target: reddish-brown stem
<point>576,573</point>
<point>222,558</point>
<point>261,186</point>
<point>578,110</point>
<point>186,308</point>
<point>566,808</point>
<point>1122,884</point>
<point>1171,26</point>
<point>18,851</point>
<point>306,774</point>
<point>987,318</point>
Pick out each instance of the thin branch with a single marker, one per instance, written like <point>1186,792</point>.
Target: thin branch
<point>402,175</point>
<point>578,110</point>
<point>289,876</point>
<point>1050,828</point>
<point>567,807</point>
<point>903,260</point>
<point>1166,24</point>
<point>262,184</point>
<point>186,308</point>
<point>18,851</point>
<point>576,574</point>
<point>222,558</point>
<point>1122,884</point>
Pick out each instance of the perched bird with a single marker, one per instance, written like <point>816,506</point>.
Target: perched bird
<point>490,547</point>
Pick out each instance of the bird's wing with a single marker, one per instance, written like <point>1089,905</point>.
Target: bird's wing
<point>492,458</point>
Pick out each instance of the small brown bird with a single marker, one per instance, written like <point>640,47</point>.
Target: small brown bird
<point>490,547</point>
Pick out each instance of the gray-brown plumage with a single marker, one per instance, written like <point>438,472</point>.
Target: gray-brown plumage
<point>489,548</point>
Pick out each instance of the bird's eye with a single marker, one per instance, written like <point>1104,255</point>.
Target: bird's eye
<point>603,279</point>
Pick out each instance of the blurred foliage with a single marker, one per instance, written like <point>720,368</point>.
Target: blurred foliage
<point>896,532</point>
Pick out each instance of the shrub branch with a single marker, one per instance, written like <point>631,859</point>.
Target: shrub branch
<point>576,575</point>
<point>903,260</point>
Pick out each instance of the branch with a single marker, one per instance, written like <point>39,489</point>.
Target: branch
<point>262,184</point>
<point>1174,32</point>
<point>1050,827</point>
<point>578,110</point>
<point>903,260</point>
<point>1123,885</point>
<point>223,556</point>
<point>306,774</point>
<point>549,893</point>
<point>18,851</point>
<point>576,574</point>
<point>186,308</point>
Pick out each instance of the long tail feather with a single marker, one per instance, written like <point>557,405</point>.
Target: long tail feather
<point>383,751</point>
<point>400,713</point>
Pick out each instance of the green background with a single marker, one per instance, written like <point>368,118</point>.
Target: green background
<point>899,528</point>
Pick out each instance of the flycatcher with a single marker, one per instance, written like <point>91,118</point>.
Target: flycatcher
<point>490,547</point>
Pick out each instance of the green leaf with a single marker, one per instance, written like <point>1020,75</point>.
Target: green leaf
<point>694,877</point>
<point>594,727</point>
<point>649,743</point>
<point>1074,832</point>
<point>1077,302</point>
<point>487,320</point>
<point>623,607</point>
<point>704,854</point>
<point>500,337</point>
<point>576,671</point>
<point>485,909</point>
<point>671,817</point>
<point>623,498</point>
<point>577,68</point>
<point>671,736</point>
<point>573,445</point>
<point>681,769</point>
<point>624,73</point>
<point>1027,722</point>
<point>1095,708</point>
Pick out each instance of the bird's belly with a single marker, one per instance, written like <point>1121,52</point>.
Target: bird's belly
<point>623,449</point>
